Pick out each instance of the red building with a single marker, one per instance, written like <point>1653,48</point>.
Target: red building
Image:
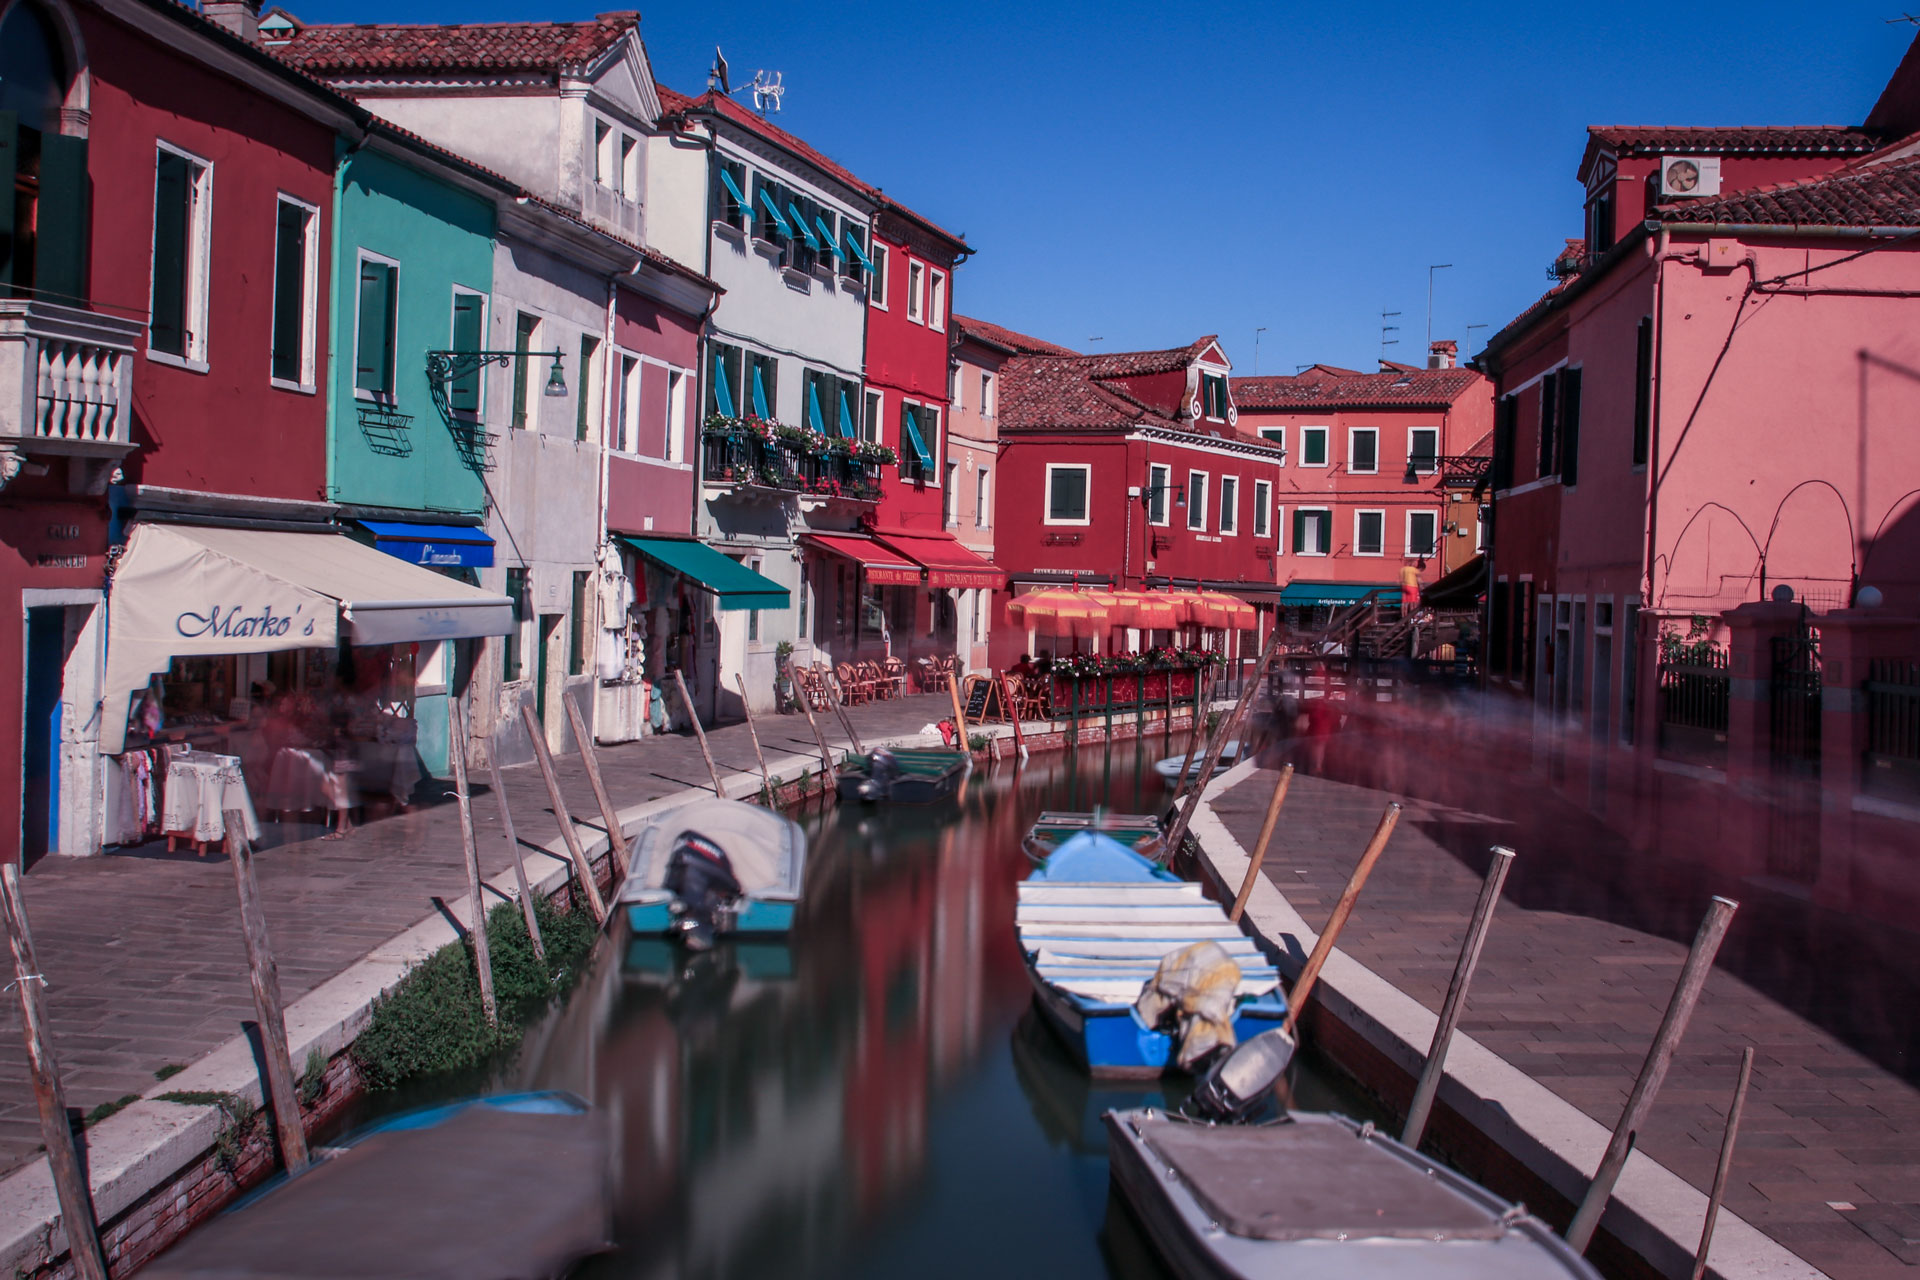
<point>1128,469</point>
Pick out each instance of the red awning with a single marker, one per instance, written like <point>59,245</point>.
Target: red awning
<point>948,563</point>
<point>885,566</point>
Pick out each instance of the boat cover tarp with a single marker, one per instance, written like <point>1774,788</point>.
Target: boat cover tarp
<point>487,1194</point>
<point>1313,1179</point>
<point>768,852</point>
<point>1199,986</point>
<point>1092,856</point>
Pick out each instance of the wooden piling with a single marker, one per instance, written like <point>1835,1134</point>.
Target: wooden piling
<point>1260,847</point>
<point>63,1158</point>
<point>1456,1001</point>
<point>470,855</point>
<point>826,752</point>
<point>1202,687</point>
<point>582,867</point>
<point>959,712</point>
<point>1225,734</point>
<point>700,734</point>
<point>1303,986</point>
<point>1686,994</point>
<point>839,705</point>
<point>269,1012</point>
<point>616,838</point>
<point>527,912</point>
<point>753,731</point>
<point>1726,1162</point>
<point>1013,713</point>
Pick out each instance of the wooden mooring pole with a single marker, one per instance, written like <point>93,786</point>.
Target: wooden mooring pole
<point>959,712</point>
<point>616,839</point>
<point>1456,1001</point>
<point>839,705</point>
<point>527,912</point>
<point>268,1011</point>
<point>56,1130</point>
<point>1726,1162</point>
<point>1303,986</point>
<point>826,752</point>
<point>1686,994</point>
<point>1272,820</point>
<point>700,734</point>
<point>581,865</point>
<point>470,856</point>
<point>1220,739</point>
<point>1013,714</point>
<point>773,797</point>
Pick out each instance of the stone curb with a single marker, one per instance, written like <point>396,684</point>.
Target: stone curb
<point>1653,1212</point>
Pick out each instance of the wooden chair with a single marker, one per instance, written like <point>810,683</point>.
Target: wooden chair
<point>813,685</point>
<point>1030,698</point>
<point>853,689</point>
<point>875,674</point>
<point>894,673</point>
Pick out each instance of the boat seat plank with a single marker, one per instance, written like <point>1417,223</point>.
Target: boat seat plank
<point>1162,891</point>
<point>1038,913</point>
<point>1189,932</point>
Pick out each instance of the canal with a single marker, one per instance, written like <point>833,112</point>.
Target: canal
<point>875,1097</point>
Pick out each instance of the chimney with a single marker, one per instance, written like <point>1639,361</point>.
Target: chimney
<point>242,17</point>
<point>1440,355</point>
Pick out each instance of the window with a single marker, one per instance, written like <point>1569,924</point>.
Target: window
<point>937,300</point>
<point>626,419</point>
<point>1213,395</point>
<point>1196,500</point>
<point>1423,449</point>
<point>870,428</point>
<point>724,381</point>
<point>603,153</point>
<point>1313,446</point>
<point>1506,431</point>
<point>950,500</point>
<point>465,391</point>
<point>916,285</point>
<point>296,267</point>
<point>930,415</point>
<point>182,210</point>
<point>727,198</point>
<point>1549,424</point>
<point>956,388</point>
<point>584,394</point>
<point>629,167</point>
<point>986,395</point>
<point>526,332</point>
<point>1312,531</point>
<point>1262,508</point>
<point>1570,427</point>
<point>577,636</point>
<point>676,415</point>
<point>1159,480</point>
<point>855,261</point>
<point>1421,528</point>
<point>1369,533</point>
<point>43,195</point>
<point>1363,450</point>
<point>877,278</point>
<point>919,442</point>
<point>763,377</point>
<point>376,322</point>
<point>816,397</point>
<point>980,504</point>
<point>1229,504</point>
<point>1067,484</point>
<point>1642,391</point>
<point>1275,435</point>
<point>1480,528</point>
<point>515,640</point>
<point>769,223</point>
<point>804,248</point>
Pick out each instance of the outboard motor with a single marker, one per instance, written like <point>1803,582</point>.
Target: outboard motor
<point>701,879</point>
<point>1238,1082</point>
<point>882,768</point>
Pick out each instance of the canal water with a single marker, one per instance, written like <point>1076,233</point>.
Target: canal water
<point>874,1097</point>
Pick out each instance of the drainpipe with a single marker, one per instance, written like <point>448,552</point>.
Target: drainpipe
<point>1661,256</point>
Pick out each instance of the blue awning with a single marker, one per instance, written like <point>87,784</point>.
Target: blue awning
<point>733,189</point>
<point>735,585</point>
<point>846,416</point>
<point>827,238</point>
<point>859,250</point>
<point>800,221</point>
<point>1337,593</point>
<point>437,546</point>
<point>722,394</point>
<point>814,417</point>
<point>911,421</point>
<point>779,219</point>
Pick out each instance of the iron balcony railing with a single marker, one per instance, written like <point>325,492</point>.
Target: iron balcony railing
<point>743,459</point>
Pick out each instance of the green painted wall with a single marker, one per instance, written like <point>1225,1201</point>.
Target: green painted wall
<point>440,236</point>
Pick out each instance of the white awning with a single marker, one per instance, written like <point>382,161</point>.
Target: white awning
<point>189,590</point>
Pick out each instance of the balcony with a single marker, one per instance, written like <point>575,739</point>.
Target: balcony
<point>606,208</point>
<point>66,390</point>
<point>772,462</point>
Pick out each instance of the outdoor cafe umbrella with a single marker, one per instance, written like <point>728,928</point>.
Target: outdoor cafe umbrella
<point>1059,612</point>
<point>1230,612</point>
<point>1147,610</point>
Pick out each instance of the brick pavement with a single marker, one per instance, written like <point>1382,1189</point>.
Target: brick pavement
<point>1571,987</point>
<point>142,951</point>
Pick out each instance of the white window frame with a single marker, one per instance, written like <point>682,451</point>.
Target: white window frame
<point>1197,511</point>
<point>1161,474</point>
<point>535,389</point>
<point>950,500</point>
<point>1433,543</point>
<point>956,388</point>
<point>310,297</point>
<point>1424,471</point>
<point>1046,510</point>
<point>1280,530</point>
<point>1229,512</point>
<point>986,393</point>
<point>390,397</point>
<point>678,381</point>
<point>1262,508</point>
<point>1480,529</point>
<point>1353,434</point>
<point>1370,511</point>
<point>625,417</point>
<point>916,286</point>
<point>629,157</point>
<point>936,300</point>
<point>199,264</point>
<point>1276,435</point>
<point>937,415</point>
<point>1326,450</point>
<point>486,317</point>
<point>882,268</point>
<point>1326,527</point>
<point>603,151</point>
<point>875,421</point>
<point>983,482</point>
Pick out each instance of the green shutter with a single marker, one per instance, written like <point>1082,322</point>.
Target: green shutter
<point>588,346</point>
<point>1570,427</point>
<point>289,290</point>
<point>522,343</point>
<point>60,241</point>
<point>373,348</point>
<point>1299,530</point>
<point>9,164</point>
<point>170,191</point>
<point>464,394</point>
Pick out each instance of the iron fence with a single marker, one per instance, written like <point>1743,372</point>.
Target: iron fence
<point>1696,689</point>
<point>1893,726</point>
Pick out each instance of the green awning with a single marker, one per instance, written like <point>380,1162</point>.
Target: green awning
<point>1336,593</point>
<point>737,586</point>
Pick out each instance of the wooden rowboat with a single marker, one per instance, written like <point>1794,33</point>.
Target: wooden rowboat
<point>916,777</point>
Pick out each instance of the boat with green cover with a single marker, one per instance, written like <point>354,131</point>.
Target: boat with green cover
<point>904,776</point>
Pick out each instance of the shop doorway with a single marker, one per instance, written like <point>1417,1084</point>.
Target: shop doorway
<point>40,733</point>
<point>59,771</point>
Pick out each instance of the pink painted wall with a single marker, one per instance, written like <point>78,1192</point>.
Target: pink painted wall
<point>646,494</point>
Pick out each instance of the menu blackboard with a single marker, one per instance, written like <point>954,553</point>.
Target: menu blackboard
<point>981,697</point>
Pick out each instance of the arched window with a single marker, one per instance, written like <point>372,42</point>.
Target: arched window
<point>43,173</point>
<point>33,74</point>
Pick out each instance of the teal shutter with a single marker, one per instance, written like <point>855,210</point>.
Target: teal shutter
<point>910,424</point>
<point>60,241</point>
<point>373,350</point>
<point>9,165</point>
<point>800,221</point>
<point>847,430</point>
<point>825,222</point>
<point>815,418</point>
<point>289,290</point>
<point>464,394</point>
<point>168,332</point>
<point>759,392</point>
<point>722,393</point>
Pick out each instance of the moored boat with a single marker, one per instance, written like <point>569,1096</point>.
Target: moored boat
<point>903,776</point>
<point>715,867</point>
<point>1171,769</point>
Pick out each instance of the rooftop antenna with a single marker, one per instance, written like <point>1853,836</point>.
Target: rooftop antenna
<point>1905,17</point>
<point>766,92</point>
<point>1470,329</point>
<point>1096,339</point>
<point>1386,329</point>
<point>717,77</point>
<point>1301,368</point>
<point>1438,266</point>
<point>1256,349</point>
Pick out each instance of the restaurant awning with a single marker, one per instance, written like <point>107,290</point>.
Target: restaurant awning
<point>1460,589</point>
<point>737,586</point>
<point>185,590</point>
<point>1336,593</point>
<point>884,567</point>
<point>437,546</point>
<point>948,564</point>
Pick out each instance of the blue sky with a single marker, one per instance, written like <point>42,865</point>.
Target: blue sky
<point>1146,174</point>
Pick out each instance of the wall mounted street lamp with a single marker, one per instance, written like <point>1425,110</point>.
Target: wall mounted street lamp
<point>1456,471</point>
<point>444,366</point>
<point>1149,493</point>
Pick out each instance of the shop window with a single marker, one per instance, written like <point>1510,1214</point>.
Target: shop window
<point>579,634</point>
<point>512,655</point>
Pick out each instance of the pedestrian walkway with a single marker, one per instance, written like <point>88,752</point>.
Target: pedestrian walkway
<point>142,951</point>
<point>1570,992</point>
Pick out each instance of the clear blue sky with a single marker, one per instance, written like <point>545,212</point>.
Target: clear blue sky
<point>1150,173</point>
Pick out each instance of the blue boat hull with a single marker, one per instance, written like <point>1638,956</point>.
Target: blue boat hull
<point>1111,1041</point>
<point>756,916</point>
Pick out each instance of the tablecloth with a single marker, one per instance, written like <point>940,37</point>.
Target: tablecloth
<point>200,787</point>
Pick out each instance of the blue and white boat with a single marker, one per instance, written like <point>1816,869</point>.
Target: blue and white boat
<point>1094,924</point>
<point>765,853</point>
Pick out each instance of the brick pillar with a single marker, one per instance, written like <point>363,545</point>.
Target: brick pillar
<point>1849,640</point>
<point>1753,626</point>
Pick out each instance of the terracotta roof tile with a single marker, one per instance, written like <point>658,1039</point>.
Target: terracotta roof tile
<point>1415,388</point>
<point>752,123</point>
<point>1779,140</point>
<point>1071,392</point>
<point>1000,335</point>
<point>1881,195</point>
<point>397,48</point>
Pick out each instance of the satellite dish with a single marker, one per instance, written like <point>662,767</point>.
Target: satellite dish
<point>766,92</point>
<point>717,78</point>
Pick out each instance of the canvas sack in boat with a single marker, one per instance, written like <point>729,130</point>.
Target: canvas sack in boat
<point>1198,986</point>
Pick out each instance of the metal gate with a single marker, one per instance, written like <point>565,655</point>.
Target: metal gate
<point>1793,721</point>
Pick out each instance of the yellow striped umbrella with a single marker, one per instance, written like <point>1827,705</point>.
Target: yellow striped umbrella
<point>1060,613</point>
<point>1148,610</point>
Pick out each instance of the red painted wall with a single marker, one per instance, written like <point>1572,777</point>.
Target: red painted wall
<point>228,429</point>
<point>908,361</point>
<point>647,495</point>
<point>1737,173</point>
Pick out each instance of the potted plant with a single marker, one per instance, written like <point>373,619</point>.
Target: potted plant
<point>783,674</point>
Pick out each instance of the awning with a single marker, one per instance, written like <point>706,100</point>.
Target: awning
<point>885,567</point>
<point>189,590</point>
<point>917,442</point>
<point>779,219</point>
<point>948,563</point>
<point>859,250</point>
<point>800,221</point>
<point>827,238</point>
<point>733,189</point>
<point>737,586</point>
<point>1337,593</point>
<point>437,546</point>
<point>1460,589</point>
